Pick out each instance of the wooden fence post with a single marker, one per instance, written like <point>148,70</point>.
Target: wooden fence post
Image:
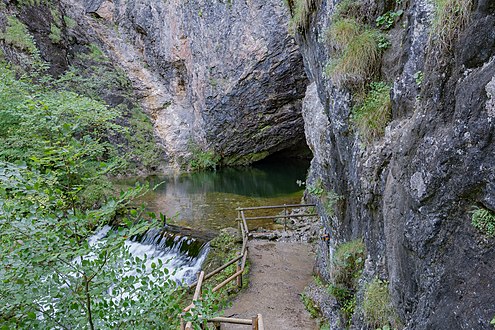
<point>261,326</point>
<point>238,268</point>
<point>182,325</point>
<point>255,323</point>
<point>285,218</point>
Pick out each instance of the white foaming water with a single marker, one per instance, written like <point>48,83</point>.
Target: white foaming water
<point>171,250</point>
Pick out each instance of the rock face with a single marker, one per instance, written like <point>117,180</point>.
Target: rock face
<point>223,75</point>
<point>410,193</point>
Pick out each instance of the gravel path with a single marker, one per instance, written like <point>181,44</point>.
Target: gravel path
<point>279,273</point>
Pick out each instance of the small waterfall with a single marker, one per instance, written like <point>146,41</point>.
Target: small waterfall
<point>183,254</point>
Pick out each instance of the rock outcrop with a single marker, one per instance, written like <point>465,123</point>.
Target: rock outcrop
<point>410,194</point>
<point>218,76</point>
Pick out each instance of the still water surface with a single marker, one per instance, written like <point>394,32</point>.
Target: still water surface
<point>207,200</point>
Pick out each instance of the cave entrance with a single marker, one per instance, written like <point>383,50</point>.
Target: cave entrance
<point>299,152</point>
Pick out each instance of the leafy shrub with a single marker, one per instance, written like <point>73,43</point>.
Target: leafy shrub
<point>310,306</point>
<point>386,20</point>
<point>99,80</point>
<point>377,305</point>
<point>373,114</point>
<point>202,159</point>
<point>17,35</point>
<point>348,262</point>
<point>484,220</point>
<point>54,154</point>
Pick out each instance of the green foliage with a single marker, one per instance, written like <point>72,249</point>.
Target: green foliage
<point>492,322</point>
<point>35,120</point>
<point>99,80</point>
<point>325,326</point>
<point>202,159</point>
<point>310,306</point>
<point>330,199</point>
<point>451,16</point>
<point>300,13</point>
<point>377,305</point>
<point>224,248</point>
<point>387,20</point>
<point>484,220</point>
<point>418,78</point>
<point>55,34</point>
<point>373,114</point>
<point>57,18</point>
<point>52,275</point>
<point>347,266</point>
<point>316,188</point>
<point>356,51</point>
<point>69,22</point>
<point>141,141</point>
<point>31,3</point>
<point>349,9</point>
<point>17,35</point>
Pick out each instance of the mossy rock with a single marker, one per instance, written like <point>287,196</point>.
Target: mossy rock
<point>222,249</point>
<point>244,159</point>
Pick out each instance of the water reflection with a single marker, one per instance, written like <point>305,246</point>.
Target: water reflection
<point>208,199</point>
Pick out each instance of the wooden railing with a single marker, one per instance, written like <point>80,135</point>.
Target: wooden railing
<point>286,215</point>
<point>256,322</point>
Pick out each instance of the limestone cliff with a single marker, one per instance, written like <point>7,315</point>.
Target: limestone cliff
<point>222,76</point>
<point>410,193</point>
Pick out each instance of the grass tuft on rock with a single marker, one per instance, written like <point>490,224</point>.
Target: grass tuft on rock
<point>372,115</point>
<point>347,266</point>
<point>377,305</point>
<point>451,17</point>
<point>356,52</point>
<point>300,11</point>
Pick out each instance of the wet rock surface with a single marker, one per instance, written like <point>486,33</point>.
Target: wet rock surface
<point>410,193</point>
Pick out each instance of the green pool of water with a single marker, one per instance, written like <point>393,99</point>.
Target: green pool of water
<point>208,200</point>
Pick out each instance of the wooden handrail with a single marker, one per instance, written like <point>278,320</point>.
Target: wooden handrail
<point>197,293</point>
<point>282,216</point>
<point>218,270</point>
<point>231,320</point>
<point>257,321</point>
<point>274,207</point>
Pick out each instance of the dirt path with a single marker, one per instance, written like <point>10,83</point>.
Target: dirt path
<point>279,273</point>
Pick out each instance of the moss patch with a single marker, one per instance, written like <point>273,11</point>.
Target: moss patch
<point>244,159</point>
<point>17,35</point>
